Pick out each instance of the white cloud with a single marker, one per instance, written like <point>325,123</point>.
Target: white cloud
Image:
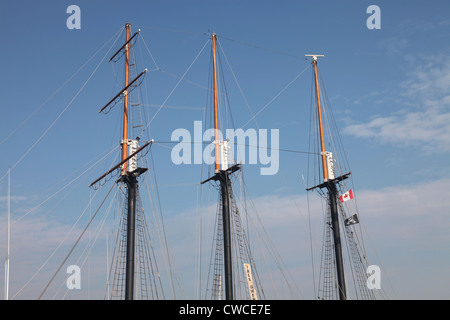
<point>38,246</point>
<point>393,46</point>
<point>13,199</point>
<point>422,114</point>
<point>428,129</point>
<point>422,199</point>
<point>405,224</point>
<point>408,226</point>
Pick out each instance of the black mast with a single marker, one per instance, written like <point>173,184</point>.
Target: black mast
<point>223,176</point>
<point>132,187</point>
<point>330,185</point>
<point>332,200</point>
<point>225,188</point>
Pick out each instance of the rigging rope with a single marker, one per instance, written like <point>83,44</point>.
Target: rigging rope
<point>240,144</point>
<point>56,91</point>
<point>151,55</point>
<point>239,86</point>
<point>269,244</point>
<point>254,115</point>
<point>65,109</point>
<point>170,94</point>
<point>76,243</point>
<point>36,207</point>
<point>159,222</point>
<point>261,48</point>
<point>175,30</point>
<point>92,242</point>
<point>229,39</point>
<point>61,189</point>
<point>276,96</point>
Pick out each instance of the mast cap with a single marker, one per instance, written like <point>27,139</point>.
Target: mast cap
<point>314,56</point>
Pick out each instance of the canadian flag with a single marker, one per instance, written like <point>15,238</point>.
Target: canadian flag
<point>346,196</point>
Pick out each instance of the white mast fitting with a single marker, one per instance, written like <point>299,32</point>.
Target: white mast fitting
<point>314,56</point>
<point>224,150</point>
<point>330,164</point>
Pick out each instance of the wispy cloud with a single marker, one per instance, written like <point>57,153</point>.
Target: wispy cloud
<point>428,129</point>
<point>405,223</point>
<point>393,46</point>
<point>14,199</point>
<point>408,226</point>
<point>422,109</point>
<point>38,246</point>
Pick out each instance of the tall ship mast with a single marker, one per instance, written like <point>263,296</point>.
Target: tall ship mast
<point>129,169</point>
<point>332,180</point>
<point>233,274</point>
<point>222,176</point>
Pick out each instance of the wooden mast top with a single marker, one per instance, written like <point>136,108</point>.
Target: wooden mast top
<point>216,113</point>
<point>125,103</point>
<point>127,155</point>
<point>319,111</point>
<point>219,166</point>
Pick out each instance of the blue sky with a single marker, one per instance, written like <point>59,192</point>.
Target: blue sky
<point>389,90</point>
